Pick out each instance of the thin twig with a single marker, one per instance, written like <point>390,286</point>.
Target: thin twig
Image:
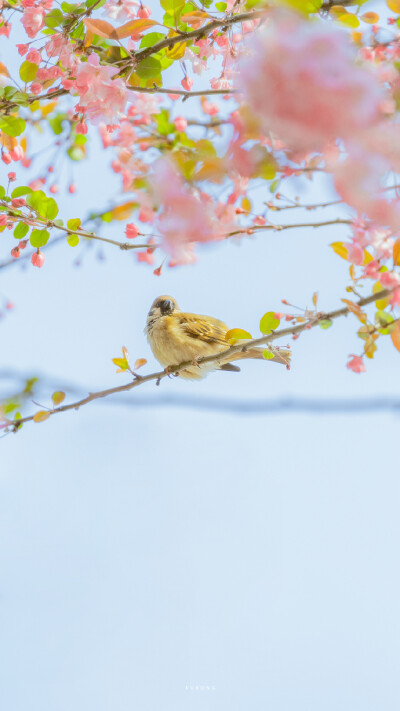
<point>175,369</point>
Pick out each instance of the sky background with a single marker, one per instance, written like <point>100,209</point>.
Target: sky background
<point>145,549</point>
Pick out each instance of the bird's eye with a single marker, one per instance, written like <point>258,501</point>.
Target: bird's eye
<point>166,307</point>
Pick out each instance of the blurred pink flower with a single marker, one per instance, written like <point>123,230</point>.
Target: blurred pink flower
<point>184,218</point>
<point>356,364</point>
<point>102,98</point>
<point>304,85</point>
<point>33,20</point>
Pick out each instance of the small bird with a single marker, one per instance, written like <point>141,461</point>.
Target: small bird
<point>176,336</point>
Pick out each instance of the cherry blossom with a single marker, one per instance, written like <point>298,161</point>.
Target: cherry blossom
<point>298,76</point>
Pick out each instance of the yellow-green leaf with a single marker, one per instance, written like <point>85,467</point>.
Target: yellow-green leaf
<point>121,363</point>
<point>381,303</point>
<point>269,322</point>
<point>237,334</point>
<point>394,6</point>
<point>349,20</point>
<point>268,355</point>
<point>58,397</point>
<point>340,249</point>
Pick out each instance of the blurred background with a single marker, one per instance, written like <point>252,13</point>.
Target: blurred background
<point>220,544</point>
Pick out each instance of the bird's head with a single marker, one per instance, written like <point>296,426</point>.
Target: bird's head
<point>162,306</point>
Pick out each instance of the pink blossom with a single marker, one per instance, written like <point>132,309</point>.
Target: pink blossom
<point>395,300</point>
<point>6,158</point>
<point>37,259</point>
<point>389,280</point>
<point>356,364</point>
<point>5,29</point>
<point>144,12</point>
<point>304,85</point>
<point>12,176</point>
<point>187,83</point>
<point>209,108</point>
<point>102,98</point>
<point>146,257</point>
<point>183,217</point>
<point>81,127</point>
<point>358,182</point>
<point>121,9</point>
<point>180,124</point>
<point>36,88</point>
<point>33,20</point>
<point>17,153</point>
<point>34,56</point>
<point>22,49</point>
<point>3,219</point>
<point>131,231</point>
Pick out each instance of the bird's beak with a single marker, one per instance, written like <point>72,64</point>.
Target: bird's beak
<point>168,306</point>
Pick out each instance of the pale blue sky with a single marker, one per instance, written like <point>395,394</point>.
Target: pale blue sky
<point>145,550</point>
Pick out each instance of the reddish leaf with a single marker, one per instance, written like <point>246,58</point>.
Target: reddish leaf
<point>396,252</point>
<point>101,28</point>
<point>134,27</point>
<point>41,416</point>
<point>355,309</point>
<point>395,335</point>
<point>139,363</point>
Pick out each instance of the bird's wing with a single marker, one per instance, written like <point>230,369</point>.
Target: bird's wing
<point>205,328</point>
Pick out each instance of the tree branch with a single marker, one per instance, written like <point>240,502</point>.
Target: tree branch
<point>175,369</point>
<point>199,33</point>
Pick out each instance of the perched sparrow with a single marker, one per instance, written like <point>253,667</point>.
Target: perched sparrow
<point>176,337</point>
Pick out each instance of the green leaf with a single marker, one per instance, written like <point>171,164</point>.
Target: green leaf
<point>28,71</point>
<point>22,190</point>
<point>21,230</point>
<point>2,192</point>
<point>151,39</point>
<point>73,240</point>
<point>164,125</point>
<point>54,18</point>
<point>74,223</point>
<point>11,125</point>
<point>39,238</point>
<point>221,6</point>
<point>76,153</point>
<point>383,320</point>
<point>49,208</point>
<point>56,123</point>
<point>173,7</point>
<point>269,322</point>
<point>34,199</point>
<point>149,68</point>
<point>268,355</point>
<point>46,207</point>
<point>325,323</point>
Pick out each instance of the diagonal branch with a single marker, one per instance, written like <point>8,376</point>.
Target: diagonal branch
<point>175,369</point>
